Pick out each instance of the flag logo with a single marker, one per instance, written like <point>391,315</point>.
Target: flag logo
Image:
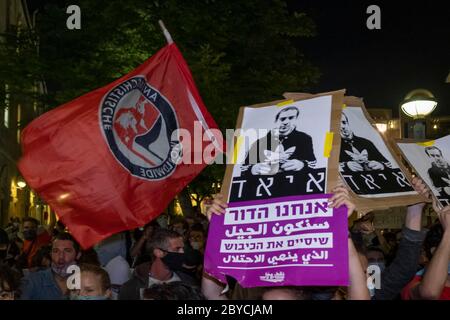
<point>140,127</point>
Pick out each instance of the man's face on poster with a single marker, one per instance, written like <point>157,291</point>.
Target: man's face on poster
<point>346,132</point>
<point>286,122</point>
<point>436,156</point>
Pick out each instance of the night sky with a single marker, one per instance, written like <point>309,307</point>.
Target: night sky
<point>412,49</point>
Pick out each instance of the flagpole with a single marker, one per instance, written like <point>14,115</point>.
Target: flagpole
<point>166,33</point>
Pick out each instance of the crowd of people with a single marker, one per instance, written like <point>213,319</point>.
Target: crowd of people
<point>163,260</point>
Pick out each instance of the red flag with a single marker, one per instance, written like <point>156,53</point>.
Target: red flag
<point>107,161</point>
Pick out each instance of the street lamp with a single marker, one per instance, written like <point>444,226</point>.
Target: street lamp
<point>21,183</point>
<point>418,104</point>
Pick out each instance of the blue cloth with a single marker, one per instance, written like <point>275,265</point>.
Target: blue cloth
<point>40,285</point>
<point>111,247</point>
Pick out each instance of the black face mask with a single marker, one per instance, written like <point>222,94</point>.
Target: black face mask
<point>30,234</point>
<point>173,260</point>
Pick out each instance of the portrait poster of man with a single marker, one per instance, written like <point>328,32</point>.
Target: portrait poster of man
<point>282,148</point>
<point>278,229</point>
<point>431,161</point>
<point>367,163</point>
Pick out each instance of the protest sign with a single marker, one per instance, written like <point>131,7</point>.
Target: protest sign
<point>295,240</point>
<point>431,161</point>
<point>278,229</point>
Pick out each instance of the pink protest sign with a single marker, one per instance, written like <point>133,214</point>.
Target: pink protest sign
<point>295,240</point>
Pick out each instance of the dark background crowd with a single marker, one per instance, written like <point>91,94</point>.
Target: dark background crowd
<point>163,260</point>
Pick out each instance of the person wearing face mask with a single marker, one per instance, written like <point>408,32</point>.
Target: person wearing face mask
<point>51,283</point>
<point>95,284</point>
<point>433,282</point>
<point>194,251</point>
<point>167,250</point>
<point>395,276</point>
<point>197,238</point>
<point>375,257</point>
<point>33,241</point>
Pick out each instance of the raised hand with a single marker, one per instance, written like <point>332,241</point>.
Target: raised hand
<point>421,188</point>
<point>340,197</point>
<point>218,207</point>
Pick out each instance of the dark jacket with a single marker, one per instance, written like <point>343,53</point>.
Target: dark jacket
<point>301,141</point>
<point>395,277</point>
<point>131,290</point>
<point>360,144</point>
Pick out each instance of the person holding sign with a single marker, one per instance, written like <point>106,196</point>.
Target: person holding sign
<point>440,170</point>
<point>357,290</point>
<point>433,282</point>
<point>358,154</point>
<point>284,148</point>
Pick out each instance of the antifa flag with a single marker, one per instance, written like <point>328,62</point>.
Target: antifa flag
<point>113,159</point>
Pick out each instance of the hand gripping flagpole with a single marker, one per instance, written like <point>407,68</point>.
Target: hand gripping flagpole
<point>166,33</point>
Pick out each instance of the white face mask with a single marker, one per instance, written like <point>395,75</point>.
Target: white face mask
<point>62,271</point>
<point>196,245</point>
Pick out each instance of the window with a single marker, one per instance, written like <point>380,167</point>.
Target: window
<point>6,109</point>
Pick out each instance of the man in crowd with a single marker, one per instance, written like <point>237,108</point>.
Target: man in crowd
<point>51,284</point>
<point>393,277</point>
<point>167,249</point>
<point>433,283</point>
<point>34,239</point>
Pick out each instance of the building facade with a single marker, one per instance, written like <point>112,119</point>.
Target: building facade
<point>16,198</point>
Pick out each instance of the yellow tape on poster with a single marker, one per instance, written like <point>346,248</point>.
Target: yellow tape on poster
<point>426,143</point>
<point>328,144</point>
<point>284,103</point>
<point>237,146</point>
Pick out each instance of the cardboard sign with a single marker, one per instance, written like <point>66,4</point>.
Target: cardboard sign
<point>367,162</point>
<point>285,163</point>
<point>431,161</point>
<point>281,241</point>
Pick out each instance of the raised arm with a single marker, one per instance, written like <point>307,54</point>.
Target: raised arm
<point>436,273</point>
<point>357,290</point>
<point>212,289</point>
<point>404,266</point>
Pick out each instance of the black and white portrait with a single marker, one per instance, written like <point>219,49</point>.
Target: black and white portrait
<point>281,150</point>
<point>284,148</point>
<point>365,162</point>
<point>431,161</point>
<point>439,172</point>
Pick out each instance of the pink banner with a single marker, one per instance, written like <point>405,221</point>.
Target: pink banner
<point>294,240</point>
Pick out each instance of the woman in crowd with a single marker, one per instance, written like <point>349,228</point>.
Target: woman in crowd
<point>94,284</point>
